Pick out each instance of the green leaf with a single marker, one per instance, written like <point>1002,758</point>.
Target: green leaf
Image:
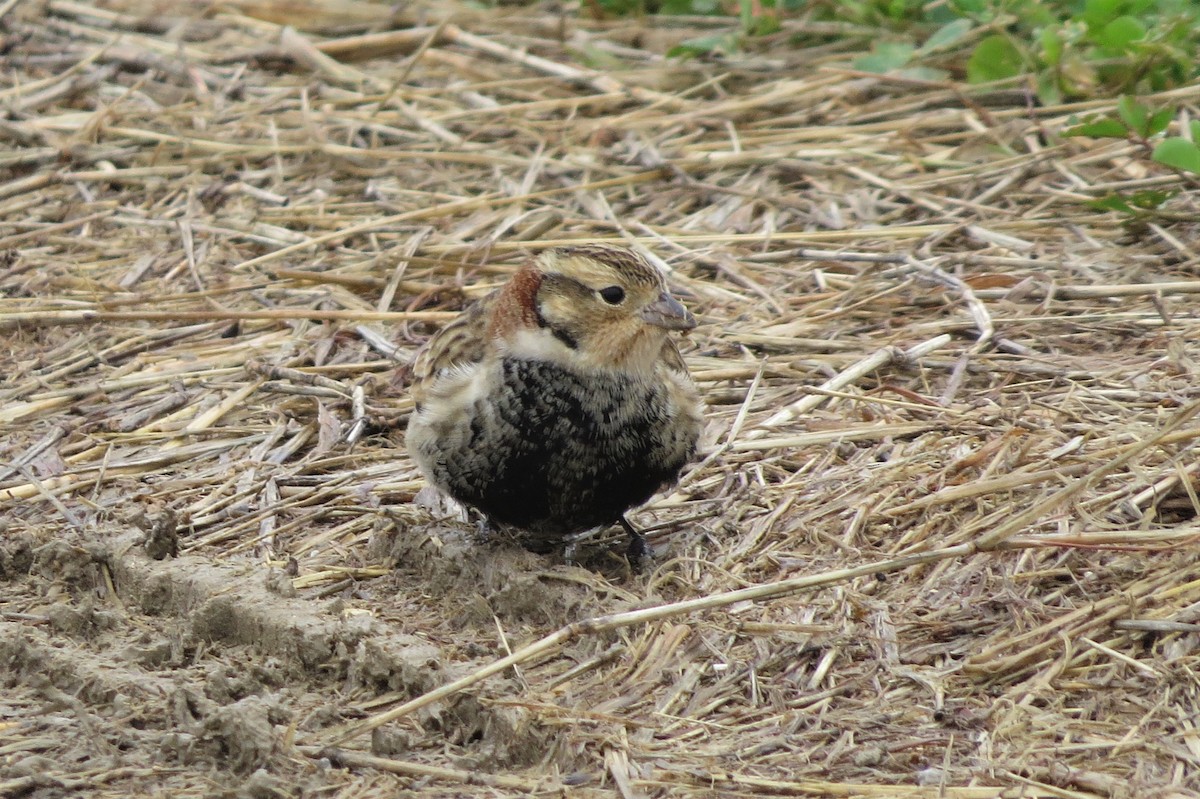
<point>595,58</point>
<point>1158,123</point>
<point>1133,113</point>
<point>995,58</point>
<point>765,26</point>
<point>1122,32</point>
<point>931,74</point>
<point>970,7</point>
<point>1194,126</point>
<point>1135,204</point>
<point>1097,13</point>
<point>1052,46</point>
<point>900,10</point>
<point>1048,90</point>
<point>1034,14</point>
<point>946,36</point>
<point>1099,129</point>
<point>702,7</point>
<point>884,57</point>
<point>1113,202</point>
<point>939,13</point>
<point>1178,152</point>
<point>717,43</point>
<point>746,13</point>
<point>1150,198</point>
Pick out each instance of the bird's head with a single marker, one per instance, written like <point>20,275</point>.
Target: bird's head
<point>594,306</point>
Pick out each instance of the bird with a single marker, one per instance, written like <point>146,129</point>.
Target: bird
<point>559,401</point>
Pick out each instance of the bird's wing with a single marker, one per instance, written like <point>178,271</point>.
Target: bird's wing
<point>461,343</point>
<point>671,358</point>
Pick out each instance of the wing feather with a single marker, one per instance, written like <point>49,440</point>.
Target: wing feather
<point>671,358</point>
<point>460,343</point>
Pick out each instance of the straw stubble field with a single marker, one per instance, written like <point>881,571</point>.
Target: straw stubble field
<point>940,541</point>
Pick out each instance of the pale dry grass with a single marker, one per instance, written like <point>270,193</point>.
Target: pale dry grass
<point>942,537</point>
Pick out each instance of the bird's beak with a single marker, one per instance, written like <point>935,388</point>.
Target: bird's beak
<point>668,313</point>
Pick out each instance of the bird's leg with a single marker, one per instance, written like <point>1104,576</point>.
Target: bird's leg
<point>639,549</point>
<point>485,528</point>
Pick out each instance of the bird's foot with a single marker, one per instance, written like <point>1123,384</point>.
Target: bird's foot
<point>486,530</point>
<point>439,505</point>
<point>639,550</point>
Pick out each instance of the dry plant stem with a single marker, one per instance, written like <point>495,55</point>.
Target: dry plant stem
<point>857,371</point>
<point>444,210</point>
<point>23,185</point>
<point>616,621</point>
<point>809,254</point>
<point>393,283</point>
<point>1124,540</point>
<point>343,757</point>
<point>873,432</point>
<point>1039,509</point>
<point>734,429</point>
<point>1161,488</point>
<point>752,239</point>
<point>41,232</point>
<point>72,317</point>
<point>758,786</point>
<point>374,45</point>
<point>1156,626</point>
<point>979,312</point>
<point>600,82</point>
<point>617,762</point>
<point>51,438</point>
<point>710,778</point>
<point>1097,292</point>
<point>86,474</point>
<point>1043,789</point>
<point>983,487</point>
<point>306,54</point>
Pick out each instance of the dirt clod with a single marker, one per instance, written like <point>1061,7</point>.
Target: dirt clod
<point>241,735</point>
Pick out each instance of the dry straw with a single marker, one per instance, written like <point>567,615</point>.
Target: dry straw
<point>941,539</point>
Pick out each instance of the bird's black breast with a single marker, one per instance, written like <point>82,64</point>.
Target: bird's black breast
<point>555,452</point>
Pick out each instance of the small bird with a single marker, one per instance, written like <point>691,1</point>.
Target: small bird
<point>558,402</point>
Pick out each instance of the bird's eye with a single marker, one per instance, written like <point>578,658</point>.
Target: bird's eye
<point>613,295</point>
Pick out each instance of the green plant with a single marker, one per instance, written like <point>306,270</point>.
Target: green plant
<point>1067,48</point>
<point>755,18</point>
<point>1070,49</point>
<point>1140,124</point>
